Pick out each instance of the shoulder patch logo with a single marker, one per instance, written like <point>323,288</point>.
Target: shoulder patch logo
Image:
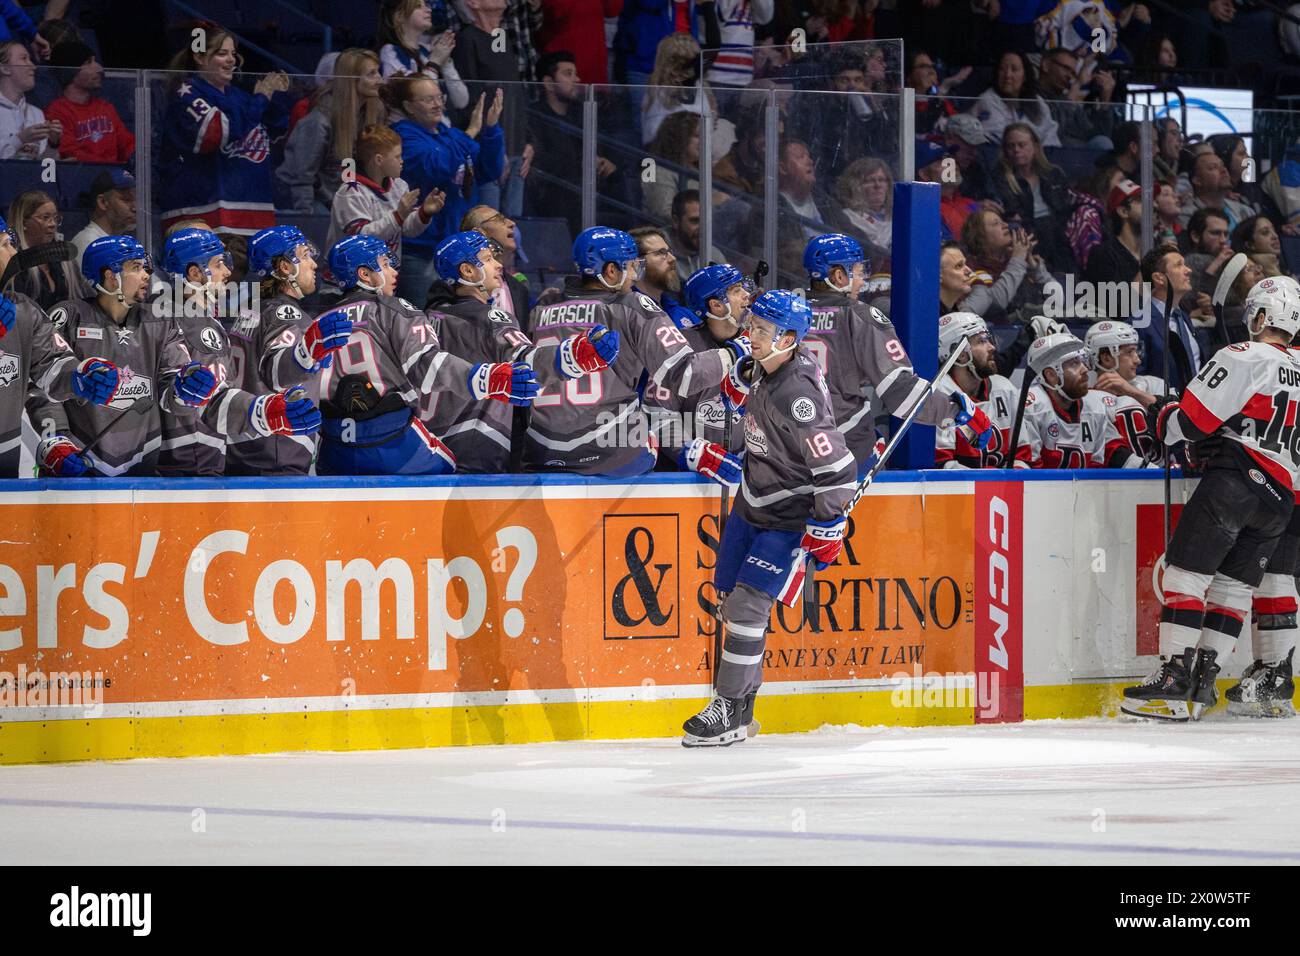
<point>803,409</point>
<point>407,305</point>
<point>287,313</point>
<point>1239,347</point>
<point>647,303</point>
<point>210,338</point>
<point>879,317</point>
<point>59,317</point>
<point>9,369</point>
<point>500,316</point>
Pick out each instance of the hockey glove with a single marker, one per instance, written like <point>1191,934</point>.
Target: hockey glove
<point>195,384</point>
<point>972,420</point>
<point>588,352</point>
<point>95,381</point>
<point>1162,421</point>
<point>61,457</point>
<point>1043,326</point>
<point>735,386</point>
<point>8,315</point>
<point>285,413</point>
<point>824,540</point>
<point>513,382</point>
<point>329,333</point>
<point>740,347</point>
<point>711,460</point>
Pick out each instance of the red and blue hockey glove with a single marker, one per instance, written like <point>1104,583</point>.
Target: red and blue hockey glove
<point>588,352</point>
<point>711,460</point>
<point>195,384</point>
<point>8,315</point>
<point>739,346</point>
<point>95,380</point>
<point>285,413</point>
<point>824,540</point>
<point>324,337</point>
<point>735,386</point>
<point>62,458</point>
<point>513,382</point>
<point>972,420</point>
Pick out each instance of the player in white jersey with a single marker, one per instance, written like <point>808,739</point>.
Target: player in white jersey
<point>1116,351</point>
<point>1066,425</point>
<point>1249,394</point>
<point>976,374</point>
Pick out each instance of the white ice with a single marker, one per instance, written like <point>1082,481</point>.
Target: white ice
<point>1057,792</point>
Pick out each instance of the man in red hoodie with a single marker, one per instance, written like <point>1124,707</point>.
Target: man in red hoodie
<point>92,130</point>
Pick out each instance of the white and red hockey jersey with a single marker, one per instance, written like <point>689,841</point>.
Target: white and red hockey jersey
<point>1129,416</point>
<point>998,399</point>
<point>1252,391</point>
<point>1079,435</point>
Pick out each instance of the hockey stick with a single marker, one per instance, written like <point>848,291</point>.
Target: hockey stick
<point>1227,277</point>
<point>46,255</point>
<point>1168,320</point>
<point>1020,413</point>
<point>139,406</point>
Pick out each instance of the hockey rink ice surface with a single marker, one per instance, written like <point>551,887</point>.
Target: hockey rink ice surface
<point>1046,792</point>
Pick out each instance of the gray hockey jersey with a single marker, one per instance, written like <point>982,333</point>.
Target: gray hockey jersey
<point>857,346</point>
<point>36,367</point>
<point>797,464</point>
<point>679,419</point>
<point>596,425</point>
<point>264,362</point>
<point>148,350</point>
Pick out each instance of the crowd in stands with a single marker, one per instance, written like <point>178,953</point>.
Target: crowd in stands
<point>457,107</point>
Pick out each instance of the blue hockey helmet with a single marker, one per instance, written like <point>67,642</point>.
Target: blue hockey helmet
<point>457,248</point>
<point>833,249</point>
<point>354,252</point>
<point>599,245</point>
<point>110,252</point>
<point>282,241</point>
<point>192,246</point>
<point>711,282</point>
<point>785,310</point>
<point>6,231</point>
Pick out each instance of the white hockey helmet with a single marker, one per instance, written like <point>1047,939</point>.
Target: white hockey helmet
<point>955,330</point>
<point>1054,351</point>
<point>1278,297</point>
<point>1109,336</point>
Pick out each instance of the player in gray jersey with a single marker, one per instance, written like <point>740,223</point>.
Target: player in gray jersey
<point>857,346</point>
<point>697,432</point>
<point>470,327</point>
<point>596,425</point>
<point>392,363</point>
<point>196,446</point>
<point>280,347</point>
<point>798,476</point>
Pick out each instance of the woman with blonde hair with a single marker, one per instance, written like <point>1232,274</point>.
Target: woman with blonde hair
<point>325,137</point>
<point>866,191</point>
<point>675,83</point>
<point>1035,194</point>
<point>35,220</point>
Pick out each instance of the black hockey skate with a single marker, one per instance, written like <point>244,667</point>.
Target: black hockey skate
<point>747,714</point>
<point>717,725</point>
<point>1204,674</point>
<point>1265,690</point>
<point>1165,695</point>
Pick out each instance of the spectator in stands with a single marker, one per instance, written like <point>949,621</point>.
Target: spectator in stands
<point>1086,227</point>
<point>577,27</point>
<point>487,69</point>
<point>933,165</point>
<point>642,24</point>
<point>215,157</point>
<point>112,209</point>
<point>865,191</point>
<point>1166,229</point>
<point>407,47</point>
<point>803,207</point>
<point>24,131</point>
<point>16,26</point>
<point>1163,268</point>
<point>92,130</point>
<point>685,236</point>
<point>1013,98</point>
<point>443,158</point>
<point>1118,259</point>
<point>522,21</point>
<point>955,277</point>
<point>1212,188</point>
<point>1208,246</point>
<point>35,218</point>
<point>659,278</point>
<point>1127,153</point>
<point>555,128</point>
<point>377,201</point>
<point>1282,186</point>
<point>675,150</point>
<point>840,129</point>
<point>922,76</point>
<point>728,28</point>
<point>1034,193</point>
<point>962,137</point>
<point>1078,124</point>
<point>1008,277</point>
<point>677,80</point>
<point>1248,190</point>
<point>1169,146</point>
<point>513,295</point>
<point>326,137</point>
<point>742,167</point>
<point>1159,58</point>
<point>1258,238</point>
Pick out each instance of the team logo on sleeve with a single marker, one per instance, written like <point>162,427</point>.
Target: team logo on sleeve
<point>407,305</point>
<point>803,409</point>
<point>1239,347</point>
<point>8,369</point>
<point>879,317</point>
<point>59,317</point>
<point>647,303</point>
<point>211,339</point>
<point>500,316</point>
<point>287,313</point>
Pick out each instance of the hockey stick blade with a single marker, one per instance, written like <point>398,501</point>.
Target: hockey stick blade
<point>139,406</point>
<point>47,255</point>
